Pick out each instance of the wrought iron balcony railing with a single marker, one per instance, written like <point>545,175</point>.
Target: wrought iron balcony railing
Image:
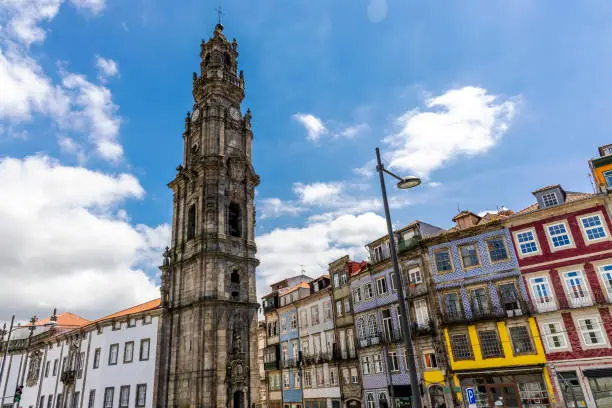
<point>408,244</point>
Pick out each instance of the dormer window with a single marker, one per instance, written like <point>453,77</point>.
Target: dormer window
<point>550,199</point>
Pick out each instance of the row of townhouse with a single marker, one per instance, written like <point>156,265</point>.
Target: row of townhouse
<point>70,362</point>
<point>513,306</point>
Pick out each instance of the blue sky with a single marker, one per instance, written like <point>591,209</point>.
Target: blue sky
<point>487,100</point>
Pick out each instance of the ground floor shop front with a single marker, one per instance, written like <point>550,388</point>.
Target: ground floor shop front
<point>519,388</point>
<point>583,383</point>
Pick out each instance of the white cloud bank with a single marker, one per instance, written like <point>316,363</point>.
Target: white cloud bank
<point>65,243</point>
<point>315,128</point>
<point>462,122</point>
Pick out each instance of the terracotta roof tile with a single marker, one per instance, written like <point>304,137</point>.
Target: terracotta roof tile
<point>548,188</point>
<point>570,196</point>
<point>150,305</point>
<point>66,320</point>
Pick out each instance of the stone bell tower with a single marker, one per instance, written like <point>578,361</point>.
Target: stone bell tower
<point>207,346</point>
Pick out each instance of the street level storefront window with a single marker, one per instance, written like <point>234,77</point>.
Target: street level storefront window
<point>600,381</point>
<point>315,403</point>
<point>571,389</point>
<point>512,391</point>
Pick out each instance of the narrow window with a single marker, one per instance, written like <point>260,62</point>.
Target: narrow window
<point>144,349</point>
<point>461,347</point>
<point>443,261</point>
<point>96,361</point>
<point>112,356</point>
<point>559,235</point>
<point>124,396</point>
<point>521,340</point>
<point>489,344</point>
<point>128,352</point>
<point>235,229</point>
<point>92,399</point>
<point>108,397</point>
<point>191,222</point>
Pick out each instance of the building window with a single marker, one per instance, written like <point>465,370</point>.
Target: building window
<point>144,349</point>
<point>414,274</point>
<point>608,177</point>
<point>393,361</point>
<point>343,278</point>
<point>452,306</point>
<point>420,310</point>
<point>327,312</point>
<point>542,294</point>
<point>58,402</point>
<point>365,365</point>
<point>480,303</point>
<point>497,249</point>
<point>92,399</point>
<point>314,315</point>
<point>527,242</point>
<point>339,308</point>
<point>55,364</point>
<point>128,352</point>
<point>132,322</point>
<point>387,324</point>
<point>576,289</point>
<point>336,280</point>
<point>357,295</point>
<point>286,379</point>
<point>303,318</point>
<point>558,235</point>
<point>80,361</point>
<point>75,399</point>
<point>392,280</point>
<point>521,340</point>
<point>141,395</point>
<point>346,376</point>
<point>296,381</point>
<point>320,377</point>
<point>47,368</point>
<point>293,321</point>
<point>469,255</point>
<point>347,305</point>
<point>382,400</point>
<point>508,296</point>
<point>381,285</point>
<point>368,292</point>
<point>333,376</point>
<point>191,222</point>
<point>147,320</point>
<point>443,261</point>
<point>372,326</point>
<point>307,378</point>
<point>549,200</point>
<point>50,401</point>
<point>42,402</point>
<point>124,396</point>
<point>370,400</point>
<point>109,393</point>
<point>591,332</point>
<point>555,335</point>
<point>378,367</point>
<point>380,253</point>
<point>112,355</point>
<point>430,360</point>
<point>489,344</point>
<point>234,220</point>
<point>593,227</point>
<point>354,375</point>
<point>606,277</point>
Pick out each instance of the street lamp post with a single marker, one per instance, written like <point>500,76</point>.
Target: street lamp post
<point>404,183</point>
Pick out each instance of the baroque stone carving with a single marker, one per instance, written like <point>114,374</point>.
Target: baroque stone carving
<point>34,368</point>
<point>238,371</point>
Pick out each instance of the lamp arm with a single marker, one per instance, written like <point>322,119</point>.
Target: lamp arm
<point>392,174</point>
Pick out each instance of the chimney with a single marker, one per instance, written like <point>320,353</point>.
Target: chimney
<point>466,219</point>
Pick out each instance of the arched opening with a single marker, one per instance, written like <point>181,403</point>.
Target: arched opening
<point>370,401</point>
<point>234,220</point>
<point>382,400</point>
<point>227,59</point>
<point>436,395</point>
<point>238,399</point>
<point>206,59</point>
<point>191,222</point>
<point>235,283</point>
<point>353,404</point>
<point>235,278</point>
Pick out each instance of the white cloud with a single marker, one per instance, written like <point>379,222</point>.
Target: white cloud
<point>94,113</point>
<point>275,207</point>
<point>318,193</point>
<point>314,127</point>
<point>367,171</point>
<point>70,146</point>
<point>353,131</point>
<point>55,245</point>
<point>314,246</point>
<point>461,122</point>
<point>106,68</point>
<point>377,10</point>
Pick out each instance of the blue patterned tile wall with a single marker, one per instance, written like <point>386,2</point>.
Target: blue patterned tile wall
<point>486,272</point>
<point>286,332</point>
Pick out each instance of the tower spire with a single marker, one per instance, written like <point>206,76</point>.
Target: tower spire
<point>220,14</point>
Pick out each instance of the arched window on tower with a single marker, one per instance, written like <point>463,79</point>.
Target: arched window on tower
<point>235,278</point>
<point>227,59</point>
<point>206,60</point>
<point>191,222</point>
<point>235,284</point>
<point>234,220</point>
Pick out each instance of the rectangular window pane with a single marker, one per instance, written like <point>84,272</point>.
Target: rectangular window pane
<point>461,347</point>
<point>108,397</point>
<point>489,344</point>
<point>558,235</point>
<point>521,341</point>
<point>92,399</point>
<point>593,227</point>
<point>141,395</point>
<point>124,396</point>
<point>526,242</point>
<point>443,262</point>
<point>144,349</point>
<point>497,249</point>
<point>469,255</point>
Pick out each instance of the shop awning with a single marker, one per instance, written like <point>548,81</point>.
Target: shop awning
<point>598,372</point>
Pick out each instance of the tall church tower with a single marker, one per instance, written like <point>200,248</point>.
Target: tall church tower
<point>207,347</point>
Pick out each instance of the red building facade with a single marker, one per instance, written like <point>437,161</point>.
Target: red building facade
<point>564,250</point>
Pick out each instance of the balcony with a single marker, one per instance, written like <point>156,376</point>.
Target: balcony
<point>517,308</point>
<point>584,301</point>
<point>486,313</point>
<point>310,359</point>
<point>423,328</point>
<point>407,245</point>
<point>542,307</point>
<point>271,365</point>
<point>269,305</point>
<point>289,363</point>
<point>453,316</point>
<point>416,290</point>
<point>390,337</point>
<point>368,341</point>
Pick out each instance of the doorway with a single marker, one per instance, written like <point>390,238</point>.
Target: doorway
<point>238,399</point>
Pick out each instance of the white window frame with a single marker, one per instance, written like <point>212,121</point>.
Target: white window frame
<point>559,334</point>
<point>542,306</point>
<point>428,365</point>
<point>421,312</point>
<point>347,305</point>
<point>293,321</point>
<point>517,244</point>
<point>550,236</point>
<point>368,291</point>
<point>599,329</point>
<point>606,282</point>
<point>339,308</point>
<point>378,286</point>
<point>585,230</point>
<point>394,361</point>
<point>549,203</point>
<point>415,277</point>
<point>392,282</point>
<point>365,365</point>
<point>357,295</point>
<point>378,365</point>
<point>575,301</point>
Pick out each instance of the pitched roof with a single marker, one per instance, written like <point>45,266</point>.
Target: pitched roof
<point>303,285</point>
<point>65,320</point>
<point>548,188</point>
<point>570,196</point>
<point>150,305</point>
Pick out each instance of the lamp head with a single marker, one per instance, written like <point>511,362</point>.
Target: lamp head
<point>408,182</point>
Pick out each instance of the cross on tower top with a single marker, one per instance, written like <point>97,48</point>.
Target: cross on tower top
<point>220,13</point>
